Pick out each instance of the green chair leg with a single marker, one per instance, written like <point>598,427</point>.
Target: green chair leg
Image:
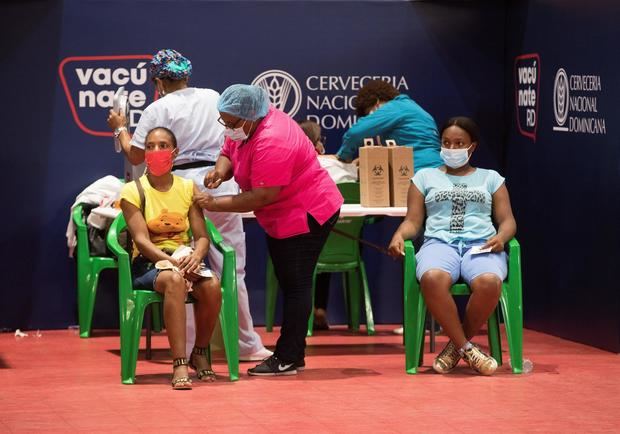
<point>353,288</point>
<point>230,336</point>
<point>229,319</point>
<point>132,315</point>
<point>414,314</point>
<point>495,341</point>
<point>513,321</point>
<point>271,295</point>
<point>157,317</point>
<point>347,298</point>
<point>370,322</point>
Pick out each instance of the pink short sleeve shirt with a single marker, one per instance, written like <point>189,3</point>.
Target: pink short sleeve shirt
<point>280,155</point>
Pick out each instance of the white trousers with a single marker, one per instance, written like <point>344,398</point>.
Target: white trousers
<point>230,226</point>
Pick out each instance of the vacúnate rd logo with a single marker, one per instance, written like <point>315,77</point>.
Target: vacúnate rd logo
<point>90,82</point>
<point>527,85</point>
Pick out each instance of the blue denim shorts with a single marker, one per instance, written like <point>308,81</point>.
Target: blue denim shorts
<point>144,273</point>
<point>456,260</point>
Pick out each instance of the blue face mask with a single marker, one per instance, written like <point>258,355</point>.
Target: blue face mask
<point>455,158</point>
<point>236,134</point>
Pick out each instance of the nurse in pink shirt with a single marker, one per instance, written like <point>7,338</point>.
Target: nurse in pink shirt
<point>293,198</point>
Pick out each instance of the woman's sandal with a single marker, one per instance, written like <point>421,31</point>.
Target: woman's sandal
<point>203,374</point>
<point>181,383</point>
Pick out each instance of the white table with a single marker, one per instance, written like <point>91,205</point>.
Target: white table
<point>347,210</point>
<point>357,210</point>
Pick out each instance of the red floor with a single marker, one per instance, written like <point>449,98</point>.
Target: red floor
<point>353,383</point>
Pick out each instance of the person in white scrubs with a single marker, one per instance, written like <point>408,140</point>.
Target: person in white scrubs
<point>191,114</point>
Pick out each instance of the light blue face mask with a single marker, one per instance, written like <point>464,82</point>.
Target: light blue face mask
<point>236,134</point>
<point>455,158</point>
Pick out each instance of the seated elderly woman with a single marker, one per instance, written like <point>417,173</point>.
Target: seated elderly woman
<point>159,210</point>
<point>460,203</point>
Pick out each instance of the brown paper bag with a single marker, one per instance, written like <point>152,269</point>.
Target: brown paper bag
<point>401,170</point>
<point>374,175</point>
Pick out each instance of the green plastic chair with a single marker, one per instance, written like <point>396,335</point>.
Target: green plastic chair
<point>340,254</point>
<point>88,269</point>
<point>510,302</point>
<point>133,302</point>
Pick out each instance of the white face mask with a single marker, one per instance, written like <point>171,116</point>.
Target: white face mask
<point>236,134</point>
<point>455,158</point>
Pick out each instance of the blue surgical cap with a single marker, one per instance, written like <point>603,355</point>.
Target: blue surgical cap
<point>170,64</point>
<point>244,101</point>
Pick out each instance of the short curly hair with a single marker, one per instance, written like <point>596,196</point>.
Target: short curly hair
<point>372,92</point>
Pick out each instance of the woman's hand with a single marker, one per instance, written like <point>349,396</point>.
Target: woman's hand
<point>205,200</point>
<point>189,265</point>
<point>396,248</point>
<point>116,120</point>
<point>495,243</point>
<point>213,179</point>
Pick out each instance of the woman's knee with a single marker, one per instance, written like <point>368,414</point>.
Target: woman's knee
<point>170,283</point>
<point>488,284</point>
<point>208,290</point>
<point>434,279</point>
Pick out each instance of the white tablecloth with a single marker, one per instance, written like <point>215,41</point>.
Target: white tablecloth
<point>357,210</point>
<point>347,210</point>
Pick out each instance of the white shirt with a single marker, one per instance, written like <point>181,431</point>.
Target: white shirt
<point>191,114</point>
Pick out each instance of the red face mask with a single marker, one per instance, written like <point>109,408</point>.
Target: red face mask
<point>159,162</point>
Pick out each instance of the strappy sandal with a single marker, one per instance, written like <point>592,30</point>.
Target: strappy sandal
<point>203,374</point>
<point>181,383</point>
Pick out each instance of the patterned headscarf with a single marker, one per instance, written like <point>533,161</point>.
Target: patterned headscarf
<point>170,64</point>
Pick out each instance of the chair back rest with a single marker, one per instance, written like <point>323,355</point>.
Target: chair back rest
<point>125,285</point>
<point>350,191</point>
<point>339,249</point>
<point>81,232</point>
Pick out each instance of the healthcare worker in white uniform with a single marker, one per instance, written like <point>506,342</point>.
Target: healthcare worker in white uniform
<point>191,113</point>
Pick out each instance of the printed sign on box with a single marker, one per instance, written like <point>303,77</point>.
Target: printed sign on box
<point>374,175</point>
<point>401,170</point>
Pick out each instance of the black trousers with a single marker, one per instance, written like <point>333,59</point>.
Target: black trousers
<point>294,260</point>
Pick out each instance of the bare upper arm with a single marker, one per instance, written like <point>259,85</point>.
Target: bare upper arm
<point>416,208</point>
<point>135,221</point>
<point>196,219</point>
<point>502,209</point>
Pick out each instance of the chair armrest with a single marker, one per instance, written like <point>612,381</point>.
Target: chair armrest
<point>410,254</point>
<point>114,230</point>
<point>213,233</point>
<point>514,246</point>
<point>125,286</point>
<point>78,216</point>
<point>81,232</point>
<point>514,262</point>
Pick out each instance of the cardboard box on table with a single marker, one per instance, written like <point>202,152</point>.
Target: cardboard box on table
<point>400,160</point>
<point>374,175</point>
